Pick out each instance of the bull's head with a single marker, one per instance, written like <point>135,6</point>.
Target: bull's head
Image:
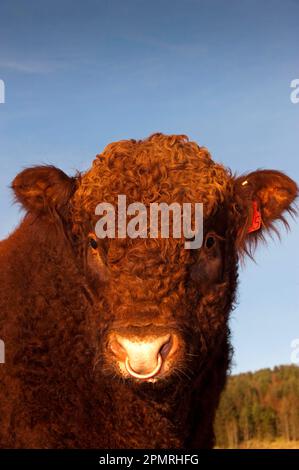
<point>160,310</point>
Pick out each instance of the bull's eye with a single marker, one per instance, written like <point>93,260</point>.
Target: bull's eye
<point>210,242</point>
<point>93,243</point>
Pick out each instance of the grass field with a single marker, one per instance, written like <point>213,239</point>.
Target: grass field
<point>275,444</point>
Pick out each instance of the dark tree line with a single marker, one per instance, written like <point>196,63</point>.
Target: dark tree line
<point>263,405</point>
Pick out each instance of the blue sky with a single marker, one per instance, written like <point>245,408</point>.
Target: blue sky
<point>79,75</point>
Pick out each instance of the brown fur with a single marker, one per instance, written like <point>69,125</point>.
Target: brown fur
<point>60,299</point>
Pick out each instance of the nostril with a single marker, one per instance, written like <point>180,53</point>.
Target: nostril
<point>166,347</point>
<point>117,348</point>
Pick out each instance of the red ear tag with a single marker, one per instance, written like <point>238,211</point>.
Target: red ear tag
<point>256,218</point>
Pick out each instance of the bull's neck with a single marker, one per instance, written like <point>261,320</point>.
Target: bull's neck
<point>145,420</point>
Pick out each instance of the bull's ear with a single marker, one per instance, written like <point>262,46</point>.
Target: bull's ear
<point>43,188</point>
<point>261,198</point>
